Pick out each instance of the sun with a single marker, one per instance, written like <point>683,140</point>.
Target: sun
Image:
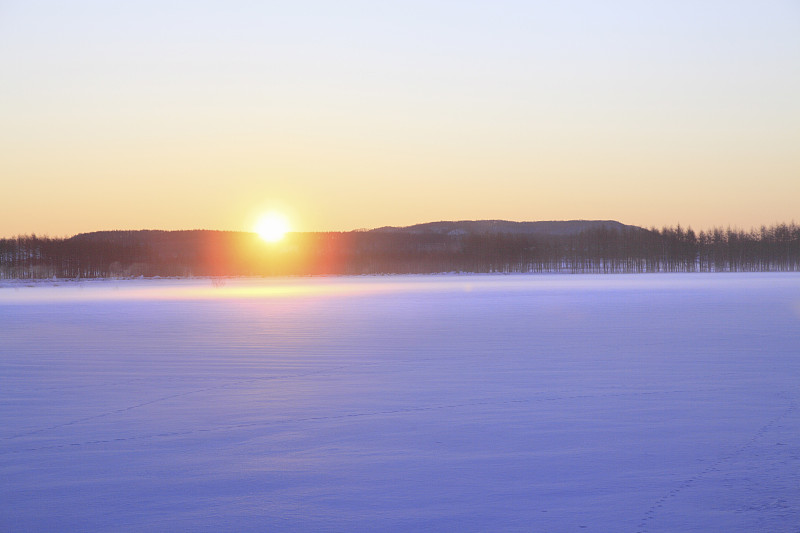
<point>272,227</point>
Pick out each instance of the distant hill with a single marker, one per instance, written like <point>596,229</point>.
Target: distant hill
<point>576,246</point>
<point>476,227</point>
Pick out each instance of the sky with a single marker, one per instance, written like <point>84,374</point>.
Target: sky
<point>346,114</point>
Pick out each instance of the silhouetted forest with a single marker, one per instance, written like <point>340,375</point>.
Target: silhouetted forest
<point>602,248</point>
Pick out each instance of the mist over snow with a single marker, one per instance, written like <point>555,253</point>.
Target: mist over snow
<point>407,403</point>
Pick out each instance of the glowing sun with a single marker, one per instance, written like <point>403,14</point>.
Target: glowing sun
<point>272,227</point>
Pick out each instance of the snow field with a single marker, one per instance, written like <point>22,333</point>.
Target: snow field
<point>455,403</point>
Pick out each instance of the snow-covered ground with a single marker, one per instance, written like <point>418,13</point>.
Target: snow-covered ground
<point>414,403</point>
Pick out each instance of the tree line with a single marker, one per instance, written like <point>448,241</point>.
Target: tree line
<point>216,253</point>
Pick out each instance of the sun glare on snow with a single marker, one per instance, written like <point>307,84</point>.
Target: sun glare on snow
<point>272,227</point>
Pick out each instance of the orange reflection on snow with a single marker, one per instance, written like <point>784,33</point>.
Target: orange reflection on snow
<point>216,288</point>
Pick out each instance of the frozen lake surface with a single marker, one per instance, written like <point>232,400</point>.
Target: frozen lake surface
<point>447,403</point>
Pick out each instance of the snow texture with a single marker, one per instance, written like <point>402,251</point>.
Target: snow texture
<point>555,403</point>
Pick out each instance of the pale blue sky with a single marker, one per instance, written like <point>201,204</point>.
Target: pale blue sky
<point>179,115</point>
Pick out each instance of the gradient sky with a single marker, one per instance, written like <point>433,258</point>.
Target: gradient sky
<point>345,115</point>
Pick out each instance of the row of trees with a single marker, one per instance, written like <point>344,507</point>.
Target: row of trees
<point>214,253</point>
